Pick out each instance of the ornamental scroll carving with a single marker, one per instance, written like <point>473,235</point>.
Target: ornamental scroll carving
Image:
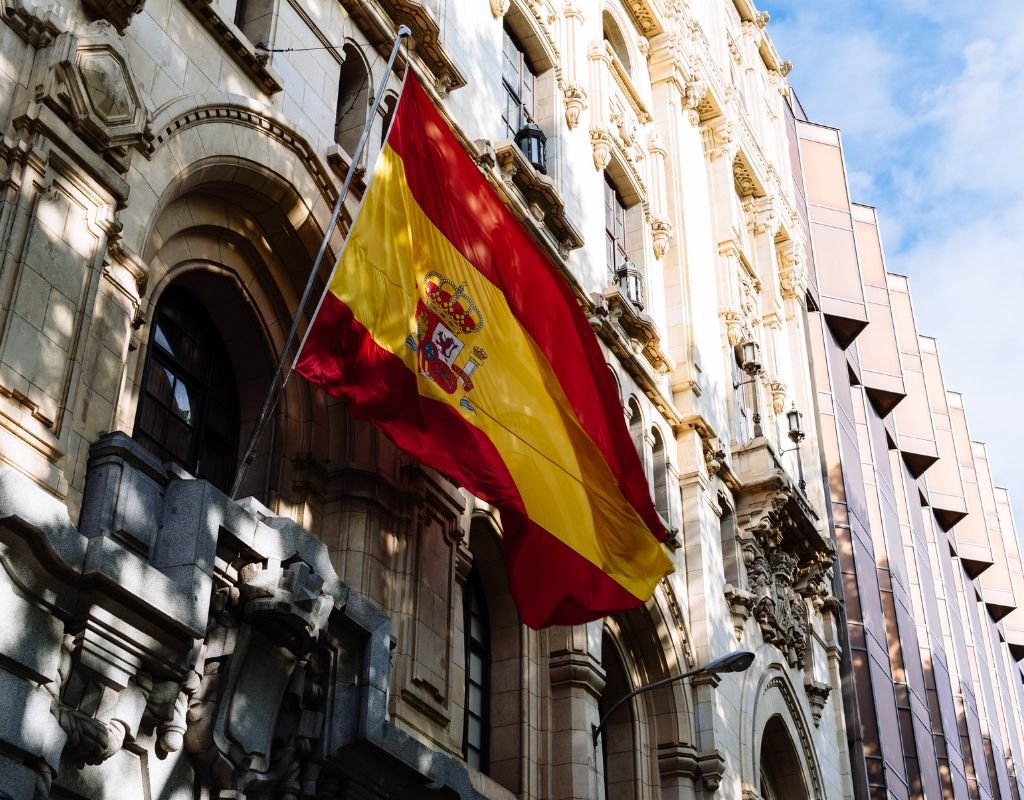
<point>256,709</point>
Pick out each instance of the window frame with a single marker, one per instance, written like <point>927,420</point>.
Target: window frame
<point>474,603</point>
<point>615,252</point>
<point>214,365</point>
<point>514,95</point>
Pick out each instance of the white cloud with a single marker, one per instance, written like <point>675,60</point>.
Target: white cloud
<point>930,100</point>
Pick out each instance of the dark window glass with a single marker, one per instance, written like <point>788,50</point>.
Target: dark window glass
<point>517,78</point>
<point>188,408</point>
<point>614,227</point>
<point>478,673</point>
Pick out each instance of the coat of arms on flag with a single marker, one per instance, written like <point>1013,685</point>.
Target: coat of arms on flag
<point>437,277</point>
<point>446,320</point>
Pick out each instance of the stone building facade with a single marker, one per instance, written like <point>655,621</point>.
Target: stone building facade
<point>168,169</point>
<point>929,558</point>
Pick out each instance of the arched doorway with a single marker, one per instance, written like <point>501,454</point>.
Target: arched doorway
<point>781,775</point>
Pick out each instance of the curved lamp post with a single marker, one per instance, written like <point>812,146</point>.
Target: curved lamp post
<point>730,662</point>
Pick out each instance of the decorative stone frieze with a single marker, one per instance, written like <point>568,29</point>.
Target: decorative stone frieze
<point>648,15</point>
<point>87,80</point>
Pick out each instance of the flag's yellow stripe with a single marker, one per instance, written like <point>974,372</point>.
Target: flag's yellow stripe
<point>566,486</point>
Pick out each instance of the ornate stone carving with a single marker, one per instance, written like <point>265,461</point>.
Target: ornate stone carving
<point>735,325</point>
<point>787,563</point>
<point>87,80</point>
<point>741,603</point>
<point>779,610</point>
<point>793,278</point>
<point>817,696</point>
<point>778,390</point>
<point>661,235</point>
<point>256,708</point>
<point>761,214</point>
<point>499,7</point>
<point>646,18</point>
<point>601,142</point>
<point>575,97</point>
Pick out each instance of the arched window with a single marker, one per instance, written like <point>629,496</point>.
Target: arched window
<point>659,485</point>
<point>614,37</point>
<point>476,732</point>
<point>388,107</point>
<point>188,405</point>
<point>353,100</point>
<point>636,426</point>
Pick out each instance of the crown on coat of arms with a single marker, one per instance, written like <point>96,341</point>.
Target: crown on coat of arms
<point>451,303</point>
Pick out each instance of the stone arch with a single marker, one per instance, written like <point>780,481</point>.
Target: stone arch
<point>354,97</point>
<point>228,173</point>
<point>769,694</point>
<point>651,643</point>
<point>612,27</point>
<point>637,427</point>
<point>508,694</point>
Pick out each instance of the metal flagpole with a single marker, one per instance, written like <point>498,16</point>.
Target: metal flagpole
<point>281,373</point>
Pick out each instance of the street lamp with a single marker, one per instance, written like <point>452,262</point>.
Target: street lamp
<point>748,352</point>
<point>794,421</point>
<point>737,661</point>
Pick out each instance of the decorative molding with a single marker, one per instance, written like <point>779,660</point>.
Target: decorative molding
<point>648,16</point>
<point>617,310</point>
<point>788,562</point>
<point>425,42</point>
<point>86,78</point>
<point>806,745</point>
<point>253,61</point>
<point>38,23</point>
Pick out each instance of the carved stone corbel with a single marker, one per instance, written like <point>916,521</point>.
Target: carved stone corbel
<point>601,141</point>
<point>499,8</point>
<point>661,236</point>
<point>817,697</point>
<point>741,603</point>
<point>778,391</point>
<point>575,97</point>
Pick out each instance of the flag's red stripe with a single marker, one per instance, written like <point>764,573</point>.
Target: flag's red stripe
<point>458,200</point>
<point>551,583</point>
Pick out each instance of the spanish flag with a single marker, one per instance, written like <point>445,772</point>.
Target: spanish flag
<point>448,328</point>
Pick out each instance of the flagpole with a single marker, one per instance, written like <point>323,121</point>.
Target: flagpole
<point>281,373</point>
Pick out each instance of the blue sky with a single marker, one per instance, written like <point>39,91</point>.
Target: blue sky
<point>929,95</point>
